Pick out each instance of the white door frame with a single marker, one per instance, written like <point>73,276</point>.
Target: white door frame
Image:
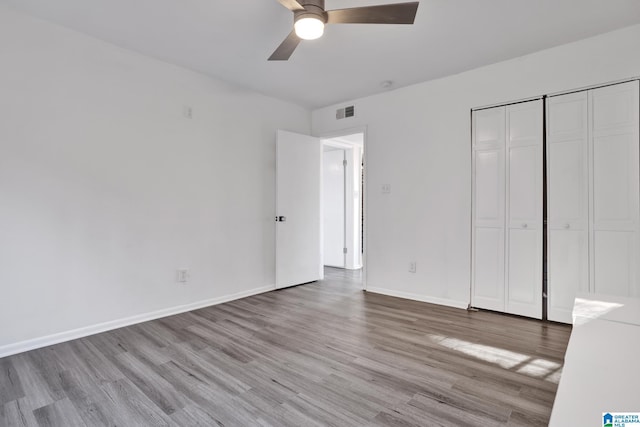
<point>345,132</point>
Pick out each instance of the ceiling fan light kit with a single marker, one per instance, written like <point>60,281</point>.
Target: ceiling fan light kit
<point>310,18</point>
<point>309,27</point>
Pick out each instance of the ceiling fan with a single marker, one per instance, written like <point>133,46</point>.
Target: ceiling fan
<point>309,19</point>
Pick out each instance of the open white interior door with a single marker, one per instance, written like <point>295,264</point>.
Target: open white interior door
<point>298,196</point>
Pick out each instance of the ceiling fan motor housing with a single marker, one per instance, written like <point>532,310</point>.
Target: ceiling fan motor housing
<point>312,8</point>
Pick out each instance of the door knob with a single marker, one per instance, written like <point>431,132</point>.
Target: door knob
<point>525,225</point>
<point>567,226</point>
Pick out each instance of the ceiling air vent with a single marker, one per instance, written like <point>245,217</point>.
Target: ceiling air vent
<point>342,113</point>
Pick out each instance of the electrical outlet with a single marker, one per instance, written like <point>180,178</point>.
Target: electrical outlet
<point>386,188</point>
<point>182,276</point>
<point>187,112</point>
<point>412,267</point>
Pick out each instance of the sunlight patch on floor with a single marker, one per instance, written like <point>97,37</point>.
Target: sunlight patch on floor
<point>518,362</point>
<point>539,368</point>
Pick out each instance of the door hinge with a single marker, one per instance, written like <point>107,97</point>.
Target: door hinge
<point>344,250</point>
<point>344,163</point>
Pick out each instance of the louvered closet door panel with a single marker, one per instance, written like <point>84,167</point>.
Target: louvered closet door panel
<point>567,203</point>
<point>524,209</point>
<point>615,212</point>
<point>488,202</point>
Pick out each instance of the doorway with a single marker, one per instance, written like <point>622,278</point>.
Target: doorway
<point>342,201</point>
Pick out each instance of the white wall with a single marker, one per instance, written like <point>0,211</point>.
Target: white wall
<point>106,189</point>
<point>418,140</point>
<point>333,208</point>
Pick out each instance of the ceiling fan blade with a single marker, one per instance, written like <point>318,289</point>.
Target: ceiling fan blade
<point>398,13</point>
<point>291,4</point>
<point>286,48</point>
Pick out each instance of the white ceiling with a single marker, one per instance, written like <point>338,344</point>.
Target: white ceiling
<point>232,39</point>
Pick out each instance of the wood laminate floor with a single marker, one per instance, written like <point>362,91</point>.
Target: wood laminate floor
<point>321,354</point>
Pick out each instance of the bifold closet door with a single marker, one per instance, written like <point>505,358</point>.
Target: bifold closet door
<point>507,209</point>
<point>593,212</point>
<point>567,203</point>
<point>614,209</point>
<point>525,129</point>
<point>488,194</point>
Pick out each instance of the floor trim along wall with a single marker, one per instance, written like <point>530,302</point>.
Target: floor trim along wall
<point>32,344</point>
<point>422,298</point>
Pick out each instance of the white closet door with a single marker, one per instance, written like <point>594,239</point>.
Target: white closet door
<point>567,203</point>
<point>524,209</point>
<point>488,164</point>
<point>614,207</point>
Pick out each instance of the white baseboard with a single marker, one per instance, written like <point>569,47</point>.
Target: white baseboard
<point>32,344</point>
<point>422,298</point>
